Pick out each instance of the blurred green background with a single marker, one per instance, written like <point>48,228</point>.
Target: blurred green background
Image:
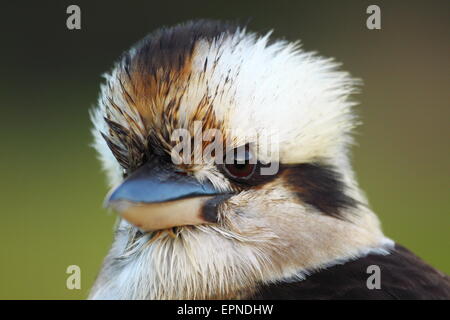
<point>51,185</point>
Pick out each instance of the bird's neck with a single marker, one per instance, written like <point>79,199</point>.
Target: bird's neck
<point>203,265</point>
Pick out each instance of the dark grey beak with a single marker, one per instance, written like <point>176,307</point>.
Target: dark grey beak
<point>153,184</point>
<point>155,198</point>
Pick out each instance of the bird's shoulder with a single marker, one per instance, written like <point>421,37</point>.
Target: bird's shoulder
<point>403,275</point>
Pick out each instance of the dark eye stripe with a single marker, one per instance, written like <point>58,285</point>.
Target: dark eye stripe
<point>317,185</point>
<point>320,186</point>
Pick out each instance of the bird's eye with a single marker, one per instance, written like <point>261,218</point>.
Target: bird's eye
<point>240,164</point>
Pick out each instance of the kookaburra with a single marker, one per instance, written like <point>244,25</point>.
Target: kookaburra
<point>278,214</point>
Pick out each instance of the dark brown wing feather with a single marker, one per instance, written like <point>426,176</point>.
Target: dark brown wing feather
<point>403,276</point>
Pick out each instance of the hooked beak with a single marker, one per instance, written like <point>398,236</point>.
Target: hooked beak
<point>153,198</point>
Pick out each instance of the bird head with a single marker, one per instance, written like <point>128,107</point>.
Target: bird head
<point>227,153</point>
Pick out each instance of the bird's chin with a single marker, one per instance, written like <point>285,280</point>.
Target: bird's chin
<point>163,216</point>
